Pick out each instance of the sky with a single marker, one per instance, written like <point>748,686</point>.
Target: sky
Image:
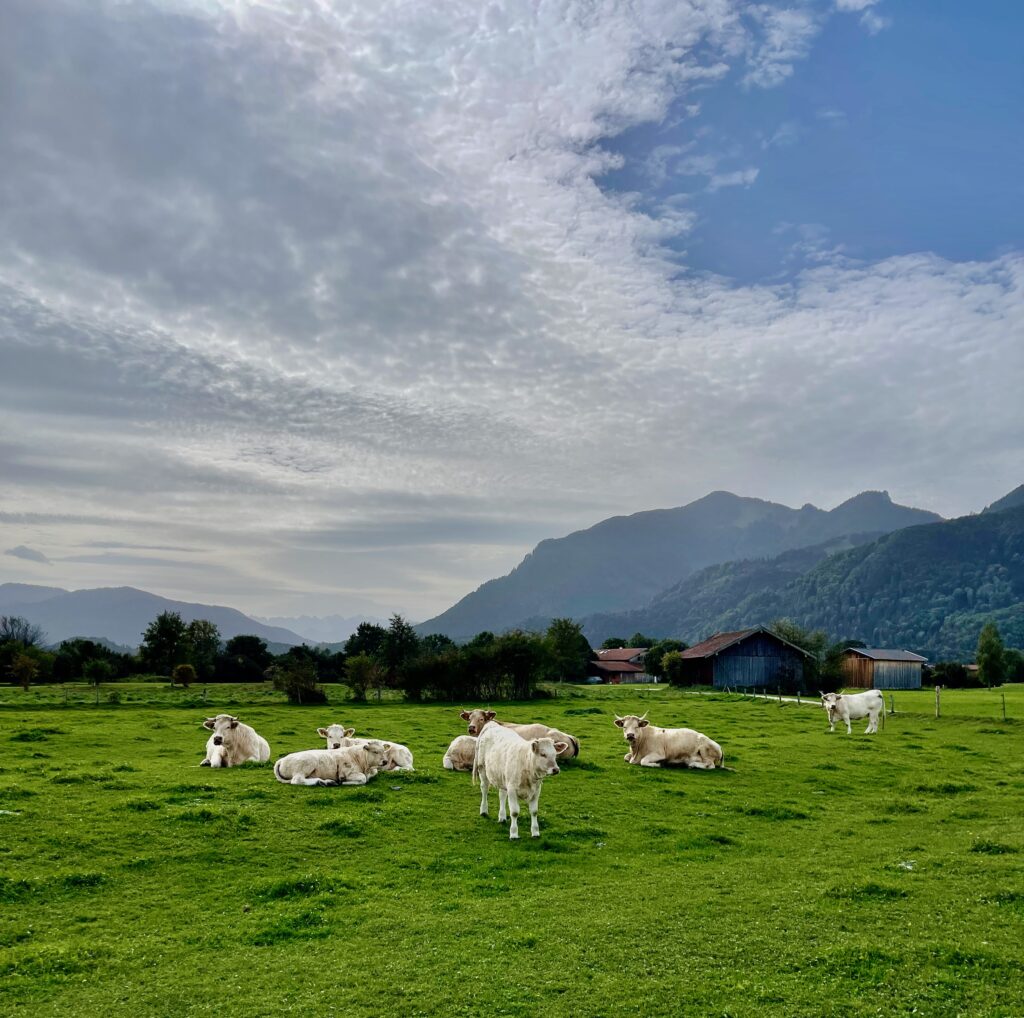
<point>342,307</point>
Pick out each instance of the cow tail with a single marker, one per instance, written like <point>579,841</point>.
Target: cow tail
<point>277,773</point>
<point>575,745</point>
<point>476,759</point>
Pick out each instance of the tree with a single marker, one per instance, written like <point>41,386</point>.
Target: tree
<point>164,643</point>
<point>15,629</point>
<point>203,638</point>
<point>1014,665</point>
<point>654,659</point>
<point>614,643</point>
<point>24,670</point>
<point>367,639</point>
<point>399,646</point>
<point>639,640</point>
<point>568,651</point>
<point>672,667</point>
<point>991,656</point>
<point>183,675</point>
<point>96,671</point>
<point>362,673</point>
<point>436,643</point>
<point>297,679</point>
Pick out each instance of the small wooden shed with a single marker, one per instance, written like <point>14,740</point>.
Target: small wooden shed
<point>623,664</point>
<point>745,658</point>
<point>878,668</point>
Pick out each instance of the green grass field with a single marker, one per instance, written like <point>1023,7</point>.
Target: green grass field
<point>822,875</point>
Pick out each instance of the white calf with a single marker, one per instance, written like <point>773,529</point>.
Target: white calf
<point>517,768</point>
<point>338,736</point>
<point>653,747</point>
<point>351,765</point>
<point>476,720</point>
<point>853,706</point>
<point>460,754</point>
<point>233,743</point>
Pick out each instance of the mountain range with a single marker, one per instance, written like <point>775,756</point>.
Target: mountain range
<point>623,562</point>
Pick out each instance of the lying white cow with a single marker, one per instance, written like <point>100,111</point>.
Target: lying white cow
<point>477,720</point>
<point>853,706</point>
<point>517,768</point>
<point>460,754</point>
<point>338,737</point>
<point>653,747</point>
<point>233,743</point>
<point>350,765</point>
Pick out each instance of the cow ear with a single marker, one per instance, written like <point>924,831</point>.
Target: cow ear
<point>490,714</point>
<point>535,746</point>
<point>234,723</point>
<point>464,715</point>
<point>322,732</point>
<point>620,721</point>
<point>349,732</point>
<point>561,747</point>
<point>209,723</point>
<point>644,722</point>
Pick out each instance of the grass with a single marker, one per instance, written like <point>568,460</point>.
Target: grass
<point>821,875</point>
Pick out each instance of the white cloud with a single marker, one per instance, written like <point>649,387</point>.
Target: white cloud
<point>346,272</point>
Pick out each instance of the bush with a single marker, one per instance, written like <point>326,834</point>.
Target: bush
<point>183,675</point>
<point>297,680</point>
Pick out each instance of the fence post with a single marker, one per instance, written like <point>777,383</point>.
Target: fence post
<point>937,688</point>
<point>1004,705</point>
<point>780,694</point>
<point>892,704</point>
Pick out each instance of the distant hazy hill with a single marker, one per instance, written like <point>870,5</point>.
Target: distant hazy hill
<point>1011,501</point>
<point>692,608</point>
<point>121,614</point>
<point>624,561</point>
<point>323,629</point>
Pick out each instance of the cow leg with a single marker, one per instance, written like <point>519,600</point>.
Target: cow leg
<point>534,823</point>
<point>502,799</point>
<point>298,779</point>
<point>652,760</point>
<point>628,757</point>
<point>205,763</point>
<point>355,779</point>
<point>483,794</point>
<point>849,729</point>
<point>448,765</point>
<point>513,814</point>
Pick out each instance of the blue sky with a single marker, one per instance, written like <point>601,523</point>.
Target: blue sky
<point>343,307</point>
<point>910,138</point>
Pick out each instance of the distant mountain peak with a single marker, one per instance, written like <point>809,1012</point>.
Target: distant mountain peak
<point>1010,501</point>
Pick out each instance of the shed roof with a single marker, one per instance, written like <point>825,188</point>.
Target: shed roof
<point>616,666</point>
<point>620,653</point>
<point>720,641</point>
<point>880,654</point>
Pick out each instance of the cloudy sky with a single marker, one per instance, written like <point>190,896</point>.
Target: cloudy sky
<point>343,306</point>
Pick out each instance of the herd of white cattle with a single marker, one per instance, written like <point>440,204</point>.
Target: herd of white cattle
<point>514,758</point>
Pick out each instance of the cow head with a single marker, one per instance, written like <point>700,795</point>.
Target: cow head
<point>335,735</point>
<point>546,754</point>
<point>476,719</point>
<point>830,703</point>
<point>378,754</point>
<point>222,727</point>
<point>631,726</point>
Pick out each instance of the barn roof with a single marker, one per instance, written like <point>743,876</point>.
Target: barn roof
<point>621,653</point>
<point>879,654</point>
<point>616,666</point>
<point>720,641</point>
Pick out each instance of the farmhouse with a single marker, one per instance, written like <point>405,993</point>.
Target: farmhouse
<point>747,657</point>
<point>874,668</point>
<point>624,664</point>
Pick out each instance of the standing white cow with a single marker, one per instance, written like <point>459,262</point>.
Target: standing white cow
<point>853,706</point>
<point>350,765</point>
<point>460,753</point>
<point>338,736</point>
<point>233,743</point>
<point>653,747</point>
<point>476,720</point>
<point>517,768</point>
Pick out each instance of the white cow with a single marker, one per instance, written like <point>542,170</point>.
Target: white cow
<point>653,747</point>
<point>476,721</point>
<point>350,765</point>
<point>233,743</point>
<point>852,706</point>
<point>517,768</point>
<point>460,754</point>
<point>338,737</point>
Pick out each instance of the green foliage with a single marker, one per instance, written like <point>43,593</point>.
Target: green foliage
<point>952,675</point>
<point>399,647</point>
<point>24,670</point>
<point>671,667</point>
<point>654,660</point>
<point>97,670</point>
<point>568,652</point>
<point>362,674</point>
<point>297,679</point>
<point>614,643</point>
<point>164,643</point>
<point>991,656</point>
<point>203,647</point>
<point>367,639</point>
<point>245,659</point>
<point>183,675</point>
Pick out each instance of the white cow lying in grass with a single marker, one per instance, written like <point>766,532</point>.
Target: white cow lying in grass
<point>338,736</point>
<point>853,706</point>
<point>460,754</point>
<point>517,768</point>
<point>653,747</point>
<point>233,743</point>
<point>477,720</point>
<point>351,765</point>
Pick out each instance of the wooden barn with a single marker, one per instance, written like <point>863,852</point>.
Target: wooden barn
<point>746,658</point>
<point>623,664</point>
<point>874,668</point>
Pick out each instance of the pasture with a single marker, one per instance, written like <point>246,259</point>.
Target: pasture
<point>822,875</point>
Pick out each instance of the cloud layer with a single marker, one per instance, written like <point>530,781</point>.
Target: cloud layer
<point>334,297</point>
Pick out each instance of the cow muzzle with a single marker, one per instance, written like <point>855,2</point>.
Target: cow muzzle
<point>218,740</point>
